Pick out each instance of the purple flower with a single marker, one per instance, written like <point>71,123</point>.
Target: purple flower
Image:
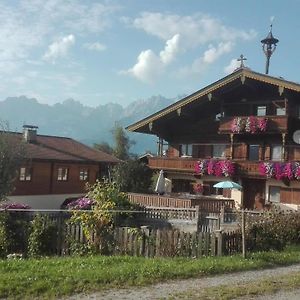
<point>81,203</point>
<point>15,206</point>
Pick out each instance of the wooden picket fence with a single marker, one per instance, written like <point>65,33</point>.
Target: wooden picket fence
<point>148,242</point>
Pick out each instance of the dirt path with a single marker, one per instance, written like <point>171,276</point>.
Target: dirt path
<point>169,288</point>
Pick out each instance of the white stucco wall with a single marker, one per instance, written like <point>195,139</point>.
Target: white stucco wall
<point>43,201</point>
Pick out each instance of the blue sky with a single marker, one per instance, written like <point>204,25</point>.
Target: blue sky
<point>120,51</point>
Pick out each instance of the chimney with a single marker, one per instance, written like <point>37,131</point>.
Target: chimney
<point>29,133</point>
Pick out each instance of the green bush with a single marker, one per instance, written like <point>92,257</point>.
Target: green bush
<point>3,235</point>
<point>43,237</point>
<point>14,232</point>
<point>272,230</point>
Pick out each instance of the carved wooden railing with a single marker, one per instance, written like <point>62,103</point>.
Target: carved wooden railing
<point>205,203</point>
<point>274,123</point>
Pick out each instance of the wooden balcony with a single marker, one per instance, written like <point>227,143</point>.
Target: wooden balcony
<point>276,124</point>
<point>187,165</point>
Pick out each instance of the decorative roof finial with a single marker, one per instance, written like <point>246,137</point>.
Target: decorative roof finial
<point>241,59</point>
<point>269,46</point>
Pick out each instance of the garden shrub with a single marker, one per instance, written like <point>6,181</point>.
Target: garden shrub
<point>4,243</point>
<point>98,223</point>
<point>272,230</point>
<point>43,236</point>
<point>14,231</point>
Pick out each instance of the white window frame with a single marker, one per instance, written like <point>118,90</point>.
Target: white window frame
<point>219,149</point>
<point>274,149</point>
<point>84,174</point>
<point>25,174</point>
<point>186,150</point>
<point>277,197</point>
<point>62,174</point>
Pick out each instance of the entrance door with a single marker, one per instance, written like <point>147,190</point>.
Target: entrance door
<point>254,193</point>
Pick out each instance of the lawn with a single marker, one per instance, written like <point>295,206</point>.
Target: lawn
<point>56,276</point>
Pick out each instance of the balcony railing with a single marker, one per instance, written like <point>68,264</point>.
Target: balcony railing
<point>275,124</point>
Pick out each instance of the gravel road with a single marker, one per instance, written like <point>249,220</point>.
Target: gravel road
<point>169,288</point>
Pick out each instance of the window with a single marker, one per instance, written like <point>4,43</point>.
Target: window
<point>25,174</point>
<point>83,174</point>
<point>186,150</point>
<point>253,152</point>
<point>62,174</point>
<point>274,194</point>
<point>276,152</point>
<point>261,110</point>
<point>280,111</point>
<point>219,151</point>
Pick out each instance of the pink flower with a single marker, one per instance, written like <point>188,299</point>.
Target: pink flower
<point>278,171</point>
<point>267,169</point>
<point>262,124</point>
<point>198,188</point>
<point>210,167</point>
<point>288,171</point>
<point>227,167</point>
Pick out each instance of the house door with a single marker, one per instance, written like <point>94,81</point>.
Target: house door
<point>254,193</point>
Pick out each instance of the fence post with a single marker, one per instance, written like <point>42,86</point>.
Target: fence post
<point>144,250</point>
<point>219,237</point>
<point>243,234</point>
<point>197,216</point>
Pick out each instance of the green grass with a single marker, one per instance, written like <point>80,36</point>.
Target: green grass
<point>227,292</point>
<point>52,277</point>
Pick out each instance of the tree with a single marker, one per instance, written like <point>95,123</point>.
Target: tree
<point>122,143</point>
<point>132,176</point>
<point>105,147</point>
<point>12,153</point>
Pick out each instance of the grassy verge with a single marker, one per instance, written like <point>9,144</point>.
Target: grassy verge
<point>52,277</point>
<point>253,289</point>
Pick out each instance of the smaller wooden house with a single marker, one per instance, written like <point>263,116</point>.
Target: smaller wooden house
<point>56,168</point>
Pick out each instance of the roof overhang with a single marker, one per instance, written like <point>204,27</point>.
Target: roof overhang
<point>240,74</point>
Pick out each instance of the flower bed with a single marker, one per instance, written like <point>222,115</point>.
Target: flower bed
<point>214,167</point>
<point>249,124</point>
<point>277,170</point>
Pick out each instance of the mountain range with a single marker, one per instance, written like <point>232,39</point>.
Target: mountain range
<point>86,124</point>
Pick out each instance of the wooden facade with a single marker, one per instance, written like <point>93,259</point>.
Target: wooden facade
<point>246,118</point>
<point>55,169</point>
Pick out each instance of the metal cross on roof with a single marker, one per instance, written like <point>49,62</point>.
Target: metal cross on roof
<point>241,59</point>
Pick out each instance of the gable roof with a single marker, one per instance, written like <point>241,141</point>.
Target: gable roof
<point>63,149</point>
<point>239,74</point>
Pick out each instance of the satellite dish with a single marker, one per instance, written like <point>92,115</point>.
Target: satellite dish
<point>296,136</point>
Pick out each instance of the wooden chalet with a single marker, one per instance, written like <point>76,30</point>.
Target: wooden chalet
<point>55,169</point>
<point>243,128</point>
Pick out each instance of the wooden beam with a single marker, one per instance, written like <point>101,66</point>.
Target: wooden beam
<point>280,90</point>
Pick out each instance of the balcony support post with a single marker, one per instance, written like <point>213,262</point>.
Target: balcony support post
<point>231,145</point>
<point>283,135</point>
<point>160,147</point>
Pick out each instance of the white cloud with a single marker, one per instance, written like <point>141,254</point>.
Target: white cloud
<point>234,64</point>
<point>184,33</point>
<point>147,68</point>
<point>195,30</point>
<point>171,49</point>
<point>95,46</point>
<point>150,66</point>
<point>26,26</point>
<point>213,53</point>
<point>59,48</point>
